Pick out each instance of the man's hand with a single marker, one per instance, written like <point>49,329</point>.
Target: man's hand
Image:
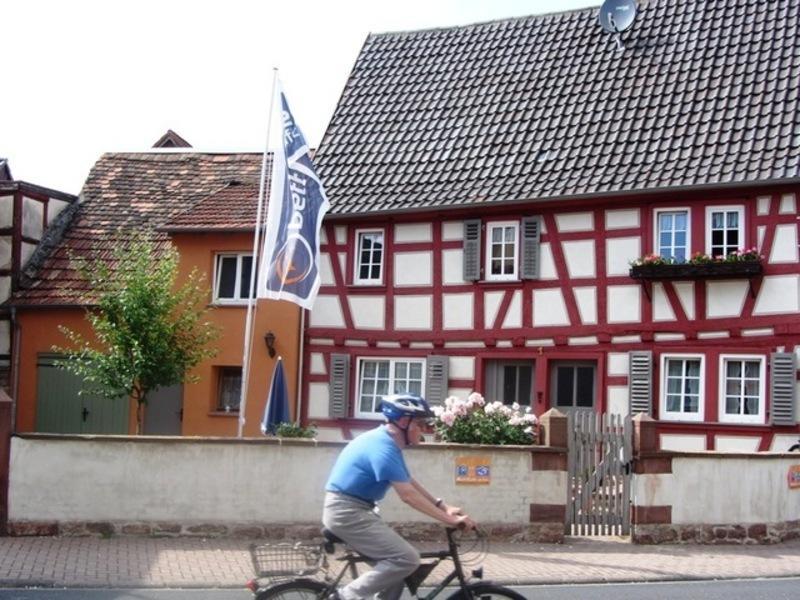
<point>466,523</point>
<point>453,511</point>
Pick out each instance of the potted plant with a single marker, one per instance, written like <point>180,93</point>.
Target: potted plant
<point>474,421</point>
<point>741,263</point>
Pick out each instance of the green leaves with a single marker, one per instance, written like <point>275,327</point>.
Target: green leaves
<point>149,332</point>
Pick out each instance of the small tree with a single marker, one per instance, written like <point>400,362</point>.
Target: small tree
<point>149,332</point>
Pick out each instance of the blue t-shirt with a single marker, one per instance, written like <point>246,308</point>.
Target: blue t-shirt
<point>367,466</point>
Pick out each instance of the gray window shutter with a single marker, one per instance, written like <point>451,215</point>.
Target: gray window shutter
<point>436,379</point>
<point>782,388</point>
<point>472,250</point>
<point>339,386</point>
<point>640,382</point>
<point>531,232</point>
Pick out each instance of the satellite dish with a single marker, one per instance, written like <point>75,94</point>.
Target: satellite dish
<point>617,15</point>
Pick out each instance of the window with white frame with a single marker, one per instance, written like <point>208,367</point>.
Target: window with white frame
<point>672,234</point>
<point>378,377</point>
<point>232,277</point>
<point>502,250</point>
<point>724,230</point>
<point>369,257</point>
<point>682,387</point>
<point>742,388</point>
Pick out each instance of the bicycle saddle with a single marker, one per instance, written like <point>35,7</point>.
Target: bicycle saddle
<point>331,537</point>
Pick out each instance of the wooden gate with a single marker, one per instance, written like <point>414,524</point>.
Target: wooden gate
<point>599,484</point>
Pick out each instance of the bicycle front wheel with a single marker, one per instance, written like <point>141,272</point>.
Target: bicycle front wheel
<point>486,591</point>
<point>299,589</point>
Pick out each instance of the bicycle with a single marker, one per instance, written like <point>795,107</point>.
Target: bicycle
<point>302,561</point>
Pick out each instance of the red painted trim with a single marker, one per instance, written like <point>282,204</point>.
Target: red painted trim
<point>554,238</point>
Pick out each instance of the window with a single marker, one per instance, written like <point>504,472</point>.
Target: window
<point>672,234</point>
<point>501,251</point>
<point>229,389</point>
<point>573,385</point>
<point>724,230</point>
<point>742,385</point>
<point>682,387</point>
<point>369,257</point>
<point>379,377</point>
<point>509,381</point>
<point>232,277</point>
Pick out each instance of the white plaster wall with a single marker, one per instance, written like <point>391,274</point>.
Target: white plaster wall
<point>457,311</point>
<point>662,309</point>
<point>491,304</point>
<point>27,251</point>
<point>778,294</point>
<point>618,363</point>
<point>368,312</point>
<point>709,489</point>
<point>685,291</point>
<point>453,230</point>
<point>575,221</point>
<point>680,442</point>
<point>514,314</point>
<point>622,218</point>
<point>6,211</point>
<point>763,203</point>
<point>5,252</point>
<point>412,268</point>
<point>579,256</point>
<point>5,288</point>
<point>618,400</point>
<point>32,216</point>
<point>788,204</point>
<point>413,312</point>
<point>54,208</point>
<point>327,312</point>
<point>5,337</point>
<point>549,308</point>
<point>341,234</point>
<point>782,442</point>
<point>452,266</point>
<point>784,247</point>
<point>412,232</point>
<point>547,266</point>
<point>325,269</point>
<point>624,304</point>
<point>262,481</point>
<point>462,367</point>
<point>317,364</point>
<point>736,443</point>
<point>318,400</point>
<point>619,253</point>
<point>586,299</point>
<point>725,298</point>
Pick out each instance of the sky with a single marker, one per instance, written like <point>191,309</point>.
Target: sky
<point>84,77</point>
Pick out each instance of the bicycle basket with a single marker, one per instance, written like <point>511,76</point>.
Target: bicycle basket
<point>286,560</point>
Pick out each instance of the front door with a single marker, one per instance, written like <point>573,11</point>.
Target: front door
<point>573,385</point>
<point>509,381</point>
<point>163,413</point>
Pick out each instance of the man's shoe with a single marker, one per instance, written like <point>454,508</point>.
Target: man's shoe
<point>334,595</point>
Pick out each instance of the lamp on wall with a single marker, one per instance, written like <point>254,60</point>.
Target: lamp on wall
<point>269,338</point>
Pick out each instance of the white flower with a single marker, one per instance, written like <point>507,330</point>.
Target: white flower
<point>448,418</point>
<point>515,406</point>
<point>528,430</point>
<point>476,399</point>
<point>490,408</point>
<point>529,418</point>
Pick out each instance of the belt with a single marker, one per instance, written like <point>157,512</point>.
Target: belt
<point>369,503</point>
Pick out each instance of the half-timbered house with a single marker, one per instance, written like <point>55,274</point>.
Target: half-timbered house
<point>491,184</point>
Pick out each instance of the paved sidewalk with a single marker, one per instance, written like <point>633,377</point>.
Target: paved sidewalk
<point>193,562</point>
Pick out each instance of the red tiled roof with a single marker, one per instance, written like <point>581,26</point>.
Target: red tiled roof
<point>233,208</point>
<point>125,193</point>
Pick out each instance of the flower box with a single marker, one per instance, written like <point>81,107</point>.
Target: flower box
<point>710,270</point>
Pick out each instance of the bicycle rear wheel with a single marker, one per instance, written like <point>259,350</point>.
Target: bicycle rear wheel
<point>299,589</point>
<point>487,591</point>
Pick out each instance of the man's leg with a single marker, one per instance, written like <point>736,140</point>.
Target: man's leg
<point>367,534</point>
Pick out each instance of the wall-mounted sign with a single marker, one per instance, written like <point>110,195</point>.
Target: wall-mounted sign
<point>473,469</point>
<point>794,476</point>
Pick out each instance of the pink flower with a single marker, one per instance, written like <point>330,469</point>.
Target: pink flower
<point>448,418</point>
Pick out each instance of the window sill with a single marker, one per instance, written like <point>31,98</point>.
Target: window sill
<point>367,286</point>
<point>222,413</point>
<point>230,304</point>
<point>761,422</point>
<point>668,418</point>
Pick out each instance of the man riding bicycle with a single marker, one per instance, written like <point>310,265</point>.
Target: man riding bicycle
<point>363,472</point>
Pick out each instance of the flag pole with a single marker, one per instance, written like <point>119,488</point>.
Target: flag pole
<point>248,328</point>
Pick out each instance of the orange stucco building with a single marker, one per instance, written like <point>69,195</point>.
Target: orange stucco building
<point>203,204</point>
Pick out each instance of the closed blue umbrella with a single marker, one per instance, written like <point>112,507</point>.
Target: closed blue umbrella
<point>277,409</point>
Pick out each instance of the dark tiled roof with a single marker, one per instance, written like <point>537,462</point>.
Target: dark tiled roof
<point>232,208</point>
<point>171,140</point>
<point>705,93</point>
<point>128,192</point>
<point>5,170</point>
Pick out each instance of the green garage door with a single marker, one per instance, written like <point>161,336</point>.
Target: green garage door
<point>61,409</point>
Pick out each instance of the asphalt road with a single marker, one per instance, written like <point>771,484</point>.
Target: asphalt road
<point>750,589</point>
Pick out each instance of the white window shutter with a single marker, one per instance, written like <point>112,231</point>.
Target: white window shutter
<point>472,250</point>
<point>783,388</point>
<point>640,382</point>
<point>339,386</point>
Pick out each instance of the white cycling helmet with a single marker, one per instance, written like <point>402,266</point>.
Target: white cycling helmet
<point>397,406</point>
